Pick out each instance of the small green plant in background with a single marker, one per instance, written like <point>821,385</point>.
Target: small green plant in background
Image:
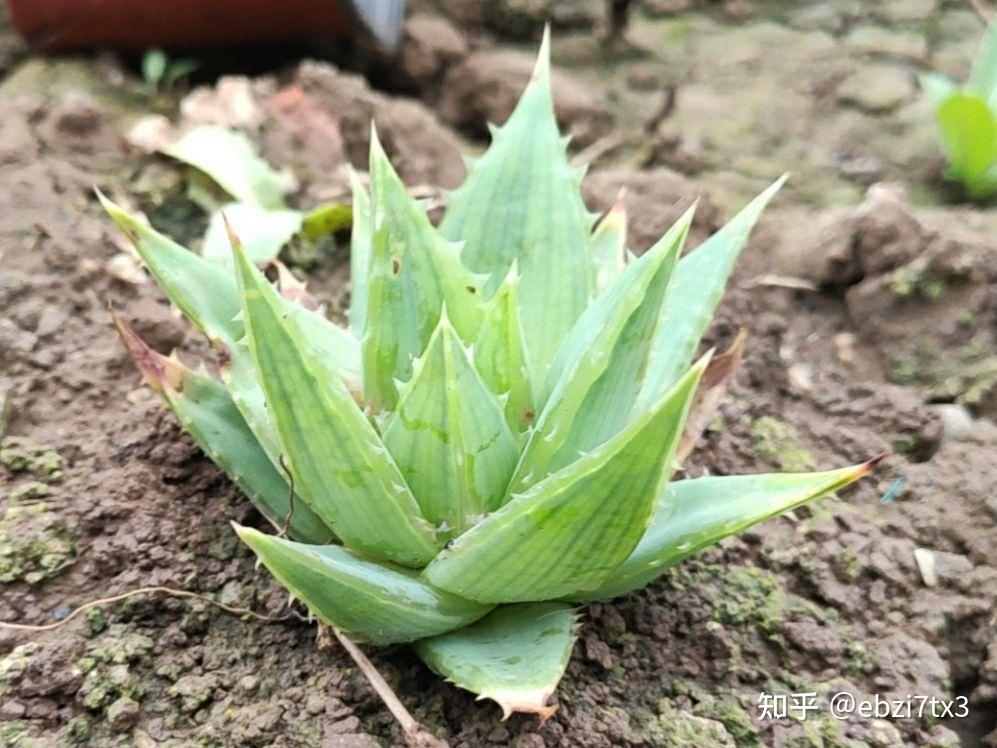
<point>161,73</point>
<point>493,439</point>
<point>967,121</point>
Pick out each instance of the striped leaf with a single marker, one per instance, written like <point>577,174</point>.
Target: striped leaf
<point>413,272</point>
<point>449,437</point>
<point>515,655</point>
<point>339,463</point>
<point>501,358</point>
<point>208,296</point>
<point>360,239</point>
<point>591,386</point>
<point>569,532</point>
<point>521,202</point>
<point>691,515</point>
<point>609,245</point>
<point>206,411</point>
<point>700,279</point>
<point>368,601</point>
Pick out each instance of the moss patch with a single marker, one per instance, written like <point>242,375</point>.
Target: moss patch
<point>34,544</point>
<point>779,443</point>
<point>20,454</point>
<point>750,596</point>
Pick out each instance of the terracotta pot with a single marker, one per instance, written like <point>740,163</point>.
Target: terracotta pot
<point>136,25</point>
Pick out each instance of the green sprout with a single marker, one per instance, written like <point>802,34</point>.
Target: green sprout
<point>491,441</point>
<point>162,73</point>
<point>967,121</point>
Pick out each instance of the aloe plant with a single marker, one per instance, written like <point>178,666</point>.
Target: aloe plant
<point>492,440</point>
<point>967,121</point>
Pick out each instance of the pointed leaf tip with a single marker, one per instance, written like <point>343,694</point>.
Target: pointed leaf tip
<point>541,69</point>
<point>869,465</point>
<point>159,371</point>
<point>233,238</point>
<point>515,656</point>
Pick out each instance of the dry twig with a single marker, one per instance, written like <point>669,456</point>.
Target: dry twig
<point>142,591</point>
<point>416,735</point>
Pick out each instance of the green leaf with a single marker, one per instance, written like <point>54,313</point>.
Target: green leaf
<point>368,601</point>
<point>592,384</point>
<point>202,291</point>
<point>693,514</point>
<point>983,76</point>
<point>449,437</point>
<point>413,273</point>
<point>569,532</point>
<point>207,413</point>
<point>154,67</point>
<point>360,241</point>
<point>178,69</point>
<point>341,467</point>
<point>969,139</point>
<point>700,279</point>
<point>327,219</point>
<point>230,160</point>
<point>609,245</point>
<point>265,232</point>
<point>500,355</point>
<point>209,298</point>
<point>515,655</point>
<point>522,202</point>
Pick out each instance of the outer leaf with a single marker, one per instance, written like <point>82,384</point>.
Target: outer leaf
<point>207,413</point>
<point>501,358</point>
<point>569,532</point>
<point>204,292</point>
<point>709,396</point>
<point>368,601</point>
<point>209,298</point>
<point>592,381</point>
<point>609,245</point>
<point>265,231</point>
<point>360,240</point>
<point>969,138</point>
<point>693,514</point>
<point>341,468</point>
<point>449,437</point>
<point>699,284</point>
<point>229,159</point>
<point>521,202</point>
<point>515,655</point>
<point>413,273</point>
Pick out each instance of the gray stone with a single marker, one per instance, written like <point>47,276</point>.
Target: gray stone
<point>877,88</point>
<point>887,41</point>
<point>123,714</point>
<point>957,421</point>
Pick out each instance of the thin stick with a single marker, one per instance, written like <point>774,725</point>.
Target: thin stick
<point>142,591</point>
<point>415,734</point>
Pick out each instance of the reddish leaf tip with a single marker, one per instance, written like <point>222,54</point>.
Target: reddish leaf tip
<point>159,371</point>
<point>869,465</point>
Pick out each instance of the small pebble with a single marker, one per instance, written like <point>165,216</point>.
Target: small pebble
<point>957,421</point>
<point>925,560</point>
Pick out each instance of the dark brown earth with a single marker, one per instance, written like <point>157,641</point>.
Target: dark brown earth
<point>872,327</point>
